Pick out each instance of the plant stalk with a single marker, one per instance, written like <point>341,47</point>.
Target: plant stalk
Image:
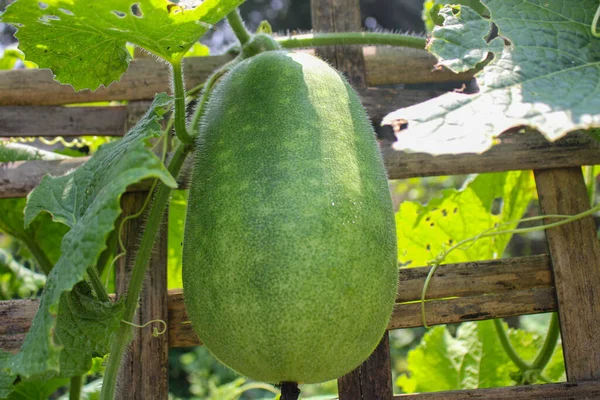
<point>97,284</point>
<point>508,348</point>
<point>39,255</point>
<point>349,38</point>
<point>179,91</point>
<point>545,354</point>
<point>237,24</point>
<point>124,334</point>
<point>75,387</point>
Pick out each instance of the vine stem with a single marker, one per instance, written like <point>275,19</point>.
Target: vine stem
<point>237,24</point>
<point>39,255</point>
<point>349,38</point>
<point>75,387</point>
<point>547,350</point>
<point>179,91</point>
<point>208,87</point>
<point>124,335</point>
<point>508,348</point>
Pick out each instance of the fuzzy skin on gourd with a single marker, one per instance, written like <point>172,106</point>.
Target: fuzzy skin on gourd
<point>289,259</point>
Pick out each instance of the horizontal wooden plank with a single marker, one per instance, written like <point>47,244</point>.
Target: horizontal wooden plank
<point>62,121</point>
<point>505,298</point>
<point>515,152</point>
<point>475,308</point>
<point>147,76</point>
<point>111,121</point>
<point>583,390</point>
<point>476,278</point>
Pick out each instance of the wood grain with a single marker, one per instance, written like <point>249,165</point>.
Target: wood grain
<point>147,76</point>
<point>372,380</point>
<point>62,121</point>
<point>151,381</point>
<point>515,152</point>
<point>17,316</point>
<point>111,120</point>
<point>575,252</point>
<point>554,391</point>
<point>340,16</point>
<point>476,278</point>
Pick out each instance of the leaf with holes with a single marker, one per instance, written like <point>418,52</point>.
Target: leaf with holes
<point>83,42</point>
<point>472,359</point>
<point>88,201</point>
<point>424,231</point>
<point>460,44</point>
<point>547,78</point>
<point>431,10</point>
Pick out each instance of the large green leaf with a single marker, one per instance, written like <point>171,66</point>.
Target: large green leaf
<point>547,78</point>
<point>432,7</point>
<point>424,231</point>
<point>87,200</point>
<point>473,359</point>
<point>6,378</point>
<point>83,42</point>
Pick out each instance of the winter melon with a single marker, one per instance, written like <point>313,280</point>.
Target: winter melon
<point>289,258</point>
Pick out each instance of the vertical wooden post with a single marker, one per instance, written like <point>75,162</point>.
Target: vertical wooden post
<point>144,372</point>
<point>373,379</point>
<point>575,254</point>
<point>340,16</point>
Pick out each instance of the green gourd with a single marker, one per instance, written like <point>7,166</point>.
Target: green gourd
<point>289,259</point>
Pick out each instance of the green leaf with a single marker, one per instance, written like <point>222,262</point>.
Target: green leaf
<point>177,212</point>
<point>424,231</point>
<point>473,359</point>
<point>43,233</point>
<point>7,379</point>
<point>85,327</point>
<point>11,152</point>
<point>546,79</point>
<point>32,389</point>
<point>460,44</point>
<point>84,42</point>
<point>86,200</point>
<point>431,8</point>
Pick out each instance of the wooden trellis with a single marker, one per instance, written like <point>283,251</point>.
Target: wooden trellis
<point>566,280</point>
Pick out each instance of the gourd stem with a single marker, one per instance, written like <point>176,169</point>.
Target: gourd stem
<point>508,348</point>
<point>237,24</point>
<point>547,350</point>
<point>349,38</point>
<point>289,391</point>
<point>179,91</point>
<point>75,387</point>
<point>591,183</point>
<point>124,334</point>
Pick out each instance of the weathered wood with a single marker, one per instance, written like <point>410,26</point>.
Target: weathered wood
<point>476,278</point>
<point>575,252</point>
<point>515,152</point>
<point>146,349</point>
<point>62,121</point>
<point>554,391</point>
<point>475,308</point>
<point>151,381</point>
<point>340,16</point>
<point>146,77</point>
<point>17,316</point>
<point>499,295</point>
<point>111,121</point>
<point>372,380</point>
